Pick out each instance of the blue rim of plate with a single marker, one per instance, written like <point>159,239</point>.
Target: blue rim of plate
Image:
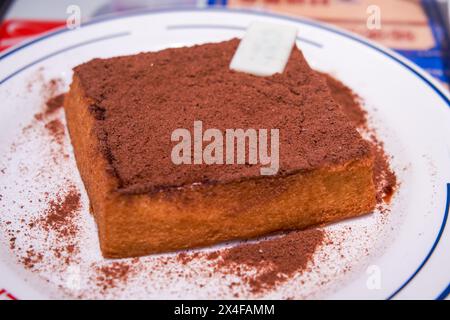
<point>345,34</point>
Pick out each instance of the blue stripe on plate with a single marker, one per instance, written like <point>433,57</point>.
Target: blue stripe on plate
<point>111,36</point>
<point>433,247</point>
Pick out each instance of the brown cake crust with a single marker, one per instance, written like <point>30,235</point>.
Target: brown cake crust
<point>141,210</point>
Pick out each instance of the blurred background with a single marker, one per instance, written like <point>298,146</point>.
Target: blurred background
<point>417,29</point>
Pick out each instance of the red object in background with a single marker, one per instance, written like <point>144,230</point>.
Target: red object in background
<point>6,295</point>
<point>14,31</point>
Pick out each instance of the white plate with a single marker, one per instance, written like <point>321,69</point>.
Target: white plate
<point>409,249</point>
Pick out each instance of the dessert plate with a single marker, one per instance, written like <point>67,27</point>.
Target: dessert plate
<point>398,252</point>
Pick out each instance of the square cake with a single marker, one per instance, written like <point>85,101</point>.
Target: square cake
<point>121,113</point>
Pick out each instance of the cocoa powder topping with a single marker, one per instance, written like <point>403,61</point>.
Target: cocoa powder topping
<point>384,177</point>
<point>139,100</point>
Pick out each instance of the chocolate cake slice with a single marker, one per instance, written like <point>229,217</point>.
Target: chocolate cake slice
<point>122,111</point>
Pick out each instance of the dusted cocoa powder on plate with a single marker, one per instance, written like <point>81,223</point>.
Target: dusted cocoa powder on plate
<point>274,261</point>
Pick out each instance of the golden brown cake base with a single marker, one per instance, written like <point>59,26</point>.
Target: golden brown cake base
<point>134,225</point>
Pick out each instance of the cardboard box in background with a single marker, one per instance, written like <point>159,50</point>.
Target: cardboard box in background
<point>415,28</point>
